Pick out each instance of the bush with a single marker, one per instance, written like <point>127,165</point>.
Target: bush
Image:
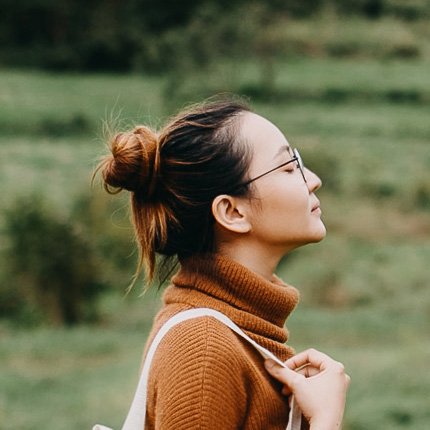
<point>51,266</point>
<point>106,222</point>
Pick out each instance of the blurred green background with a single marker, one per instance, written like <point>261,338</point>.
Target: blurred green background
<point>346,81</point>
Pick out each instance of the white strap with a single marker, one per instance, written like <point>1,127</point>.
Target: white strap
<point>295,417</point>
<point>137,413</point>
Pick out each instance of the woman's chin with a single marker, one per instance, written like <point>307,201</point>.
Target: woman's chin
<point>320,234</point>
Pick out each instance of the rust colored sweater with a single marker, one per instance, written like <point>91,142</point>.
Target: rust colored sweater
<point>204,376</point>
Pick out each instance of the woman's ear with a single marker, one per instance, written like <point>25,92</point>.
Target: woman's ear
<point>230,213</point>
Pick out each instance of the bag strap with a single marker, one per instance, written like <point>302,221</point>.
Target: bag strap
<point>136,416</point>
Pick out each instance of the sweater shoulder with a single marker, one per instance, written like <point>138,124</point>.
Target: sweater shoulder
<point>199,339</point>
<point>197,377</point>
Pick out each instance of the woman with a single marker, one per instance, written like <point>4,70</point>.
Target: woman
<point>221,190</point>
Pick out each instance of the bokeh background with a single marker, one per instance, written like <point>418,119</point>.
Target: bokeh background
<point>347,81</point>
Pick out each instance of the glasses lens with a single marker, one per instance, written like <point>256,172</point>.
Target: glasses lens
<point>299,163</point>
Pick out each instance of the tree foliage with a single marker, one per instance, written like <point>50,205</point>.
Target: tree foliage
<point>137,34</point>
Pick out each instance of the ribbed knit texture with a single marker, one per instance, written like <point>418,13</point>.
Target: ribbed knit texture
<point>204,376</point>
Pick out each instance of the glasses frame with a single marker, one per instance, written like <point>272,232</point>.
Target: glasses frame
<point>296,157</point>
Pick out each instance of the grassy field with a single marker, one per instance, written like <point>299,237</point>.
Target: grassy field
<point>365,296</point>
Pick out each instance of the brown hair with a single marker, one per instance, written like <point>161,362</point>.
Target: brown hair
<point>174,176</point>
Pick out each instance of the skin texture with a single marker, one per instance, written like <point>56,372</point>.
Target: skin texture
<point>319,384</point>
<point>282,214</point>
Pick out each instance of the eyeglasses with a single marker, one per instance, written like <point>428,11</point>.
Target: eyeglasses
<point>296,157</point>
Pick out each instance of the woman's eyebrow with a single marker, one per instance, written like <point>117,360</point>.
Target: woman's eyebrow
<point>281,150</point>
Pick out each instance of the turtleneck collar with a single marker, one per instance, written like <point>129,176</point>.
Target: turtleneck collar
<point>257,305</point>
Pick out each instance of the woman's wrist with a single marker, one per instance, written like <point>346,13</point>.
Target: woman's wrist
<point>325,425</point>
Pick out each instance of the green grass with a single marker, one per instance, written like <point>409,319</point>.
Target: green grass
<point>365,76</point>
<point>58,168</point>
<point>40,101</point>
<point>342,36</point>
<point>63,379</point>
<point>382,353</point>
<point>364,290</point>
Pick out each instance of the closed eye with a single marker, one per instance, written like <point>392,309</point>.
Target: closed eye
<point>289,166</point>
<point>272,170</point>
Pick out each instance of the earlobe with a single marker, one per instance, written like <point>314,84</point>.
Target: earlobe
<point>230,214</point>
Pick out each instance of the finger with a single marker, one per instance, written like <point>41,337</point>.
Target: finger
<point>282,374</point>
<point>308,370</point>
<point>348,380</point>
<point>310,356</point>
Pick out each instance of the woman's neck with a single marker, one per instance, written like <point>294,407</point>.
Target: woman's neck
<point>260,261</point>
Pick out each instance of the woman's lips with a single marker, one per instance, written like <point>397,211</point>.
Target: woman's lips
<point>316,208</point>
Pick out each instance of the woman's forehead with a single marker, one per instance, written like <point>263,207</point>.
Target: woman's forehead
<point>264,137</point>
<point>284,149</point>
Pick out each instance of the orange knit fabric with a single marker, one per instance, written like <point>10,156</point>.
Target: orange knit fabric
<point>204,376</point>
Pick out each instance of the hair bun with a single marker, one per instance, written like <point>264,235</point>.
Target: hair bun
<point>134,162</point>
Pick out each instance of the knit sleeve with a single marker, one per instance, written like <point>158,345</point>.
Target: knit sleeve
<point>197,380</point>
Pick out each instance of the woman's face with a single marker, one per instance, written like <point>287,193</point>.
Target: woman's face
<point>284,211</point>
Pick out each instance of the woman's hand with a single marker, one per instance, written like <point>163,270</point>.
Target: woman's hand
<point>319,385</point>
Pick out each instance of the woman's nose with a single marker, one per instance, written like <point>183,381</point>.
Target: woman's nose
<point>313,181</point>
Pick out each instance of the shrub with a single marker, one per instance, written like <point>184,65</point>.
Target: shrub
<point>106,224</point>
<point>52,268</point>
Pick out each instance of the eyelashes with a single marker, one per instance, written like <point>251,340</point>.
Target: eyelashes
<point>291,168</point>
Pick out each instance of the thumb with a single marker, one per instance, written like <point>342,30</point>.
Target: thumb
<point>282,374</point>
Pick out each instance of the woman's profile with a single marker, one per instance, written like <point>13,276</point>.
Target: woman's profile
<point>220,191</point>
